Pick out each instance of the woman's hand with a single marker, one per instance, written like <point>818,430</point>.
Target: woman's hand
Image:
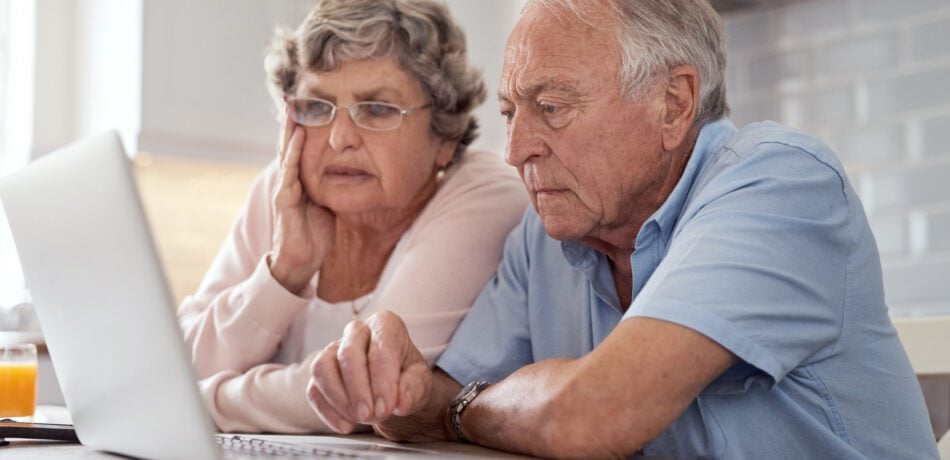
<point>303,229</point>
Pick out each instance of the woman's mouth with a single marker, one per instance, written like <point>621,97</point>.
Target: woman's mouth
<point>345,172</point>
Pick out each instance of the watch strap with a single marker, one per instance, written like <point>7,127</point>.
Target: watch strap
<point>461,402</point>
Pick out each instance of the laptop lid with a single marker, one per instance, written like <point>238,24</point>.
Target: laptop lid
<point>103,303</point>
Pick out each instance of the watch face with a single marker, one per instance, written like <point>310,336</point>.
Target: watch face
<point>469,392</point>
<point>466,390</point>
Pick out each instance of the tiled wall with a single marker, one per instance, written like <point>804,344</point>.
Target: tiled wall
<point>871,78</point>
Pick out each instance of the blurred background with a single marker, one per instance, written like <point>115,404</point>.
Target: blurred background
<point>183,82</point>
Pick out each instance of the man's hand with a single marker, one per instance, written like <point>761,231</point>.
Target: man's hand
<point>373,373</point>
<point>303,230</point>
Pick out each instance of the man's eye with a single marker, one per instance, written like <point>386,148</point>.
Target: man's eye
<point>508,114</point>
<point>548,108</point>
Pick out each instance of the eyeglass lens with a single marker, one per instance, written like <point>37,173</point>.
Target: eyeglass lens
<point>370,115</point>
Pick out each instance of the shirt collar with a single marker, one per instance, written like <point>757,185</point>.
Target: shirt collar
<point>712,136</point>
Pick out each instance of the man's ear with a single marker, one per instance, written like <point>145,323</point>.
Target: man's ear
<point>679,111</point>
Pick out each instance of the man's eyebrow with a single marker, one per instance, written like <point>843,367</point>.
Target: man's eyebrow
<point>567,87</point>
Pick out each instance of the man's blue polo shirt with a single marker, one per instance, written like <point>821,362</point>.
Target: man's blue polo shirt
<point>764,247</point>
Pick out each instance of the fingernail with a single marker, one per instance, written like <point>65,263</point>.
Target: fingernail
<point>363,412</point>
<point>380,407</point>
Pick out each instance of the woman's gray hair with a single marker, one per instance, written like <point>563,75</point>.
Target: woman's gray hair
<point>657,35</point>
<point>420,34</point>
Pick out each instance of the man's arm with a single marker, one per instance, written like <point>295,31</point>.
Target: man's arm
<point>608,403</point>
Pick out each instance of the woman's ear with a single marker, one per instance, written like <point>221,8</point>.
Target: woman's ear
<point>681,100</point>
<point>445,154</point>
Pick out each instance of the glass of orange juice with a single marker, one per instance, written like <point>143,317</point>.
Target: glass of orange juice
<point>17,381</point>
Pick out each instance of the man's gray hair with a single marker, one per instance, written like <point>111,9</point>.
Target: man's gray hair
<point>656,35</point>
<point>420,34</point>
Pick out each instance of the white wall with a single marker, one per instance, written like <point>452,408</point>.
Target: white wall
<point>203,78</point>
<point>870,77</point>
<point>87,71</point>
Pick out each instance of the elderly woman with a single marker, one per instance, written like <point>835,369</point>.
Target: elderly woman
<point>373,204</point>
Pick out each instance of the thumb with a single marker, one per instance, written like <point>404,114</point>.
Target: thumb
<point>415,386</point>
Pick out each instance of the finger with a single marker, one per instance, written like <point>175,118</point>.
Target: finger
<point>326,412</point>
<point>385,356</point>
<point>294,152</point>
<point>294,148</point>
<point>353,368</point>
<point>289,187</point>
<point>286,130</point>
<point>415,384</point>
<point>326,377</point>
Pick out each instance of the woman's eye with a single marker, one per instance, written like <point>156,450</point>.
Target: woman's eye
<point>548,108</point>
<point>508,114</point>
<point>380,110</point>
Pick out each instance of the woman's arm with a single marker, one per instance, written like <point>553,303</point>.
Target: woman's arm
<point>240,313</point>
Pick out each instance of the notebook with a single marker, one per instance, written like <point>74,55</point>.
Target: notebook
<point>108,318</point>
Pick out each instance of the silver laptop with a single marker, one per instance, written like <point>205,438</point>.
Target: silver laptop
<point>107,316</point>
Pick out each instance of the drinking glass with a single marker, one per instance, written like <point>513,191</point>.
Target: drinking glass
<point>17,381</point>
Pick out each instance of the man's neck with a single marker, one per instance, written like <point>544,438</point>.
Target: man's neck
<point>618,243</point>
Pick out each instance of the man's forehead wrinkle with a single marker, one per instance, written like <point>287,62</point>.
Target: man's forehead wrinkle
<point>530,88</point>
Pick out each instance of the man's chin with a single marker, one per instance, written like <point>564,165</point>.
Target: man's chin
<point>561,229</point>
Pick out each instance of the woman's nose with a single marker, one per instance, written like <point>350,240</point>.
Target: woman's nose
<point>344,134</point>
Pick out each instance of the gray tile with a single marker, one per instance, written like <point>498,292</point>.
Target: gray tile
<point>869,146</point>
<point>892,10</point>
<point>938,231</point>
<point>930,40</point>
<point>750,112</point>
<point>747,30</point>
<point>921,185</point>
<point>936,133</point>
<point>770,71</point>
<point>910,92</point>
<point>806,18</point>
<point>858,54</point>
<point>825,106</point>
<point>890,233</point>
<point>921,282</point>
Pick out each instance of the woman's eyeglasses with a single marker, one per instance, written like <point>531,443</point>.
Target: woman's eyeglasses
<point>372,115</point>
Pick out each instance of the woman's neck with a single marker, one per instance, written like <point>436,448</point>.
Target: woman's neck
<point>362,247</point>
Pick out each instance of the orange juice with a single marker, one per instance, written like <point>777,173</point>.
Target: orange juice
<point>17,389</point>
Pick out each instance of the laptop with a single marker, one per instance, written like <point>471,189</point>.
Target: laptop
<point>108,318</point>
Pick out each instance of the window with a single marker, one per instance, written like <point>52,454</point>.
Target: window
<point>16,73</point>
<point>4,65</point>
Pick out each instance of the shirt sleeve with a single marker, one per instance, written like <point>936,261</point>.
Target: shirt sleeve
<point>453,250</point>
<point>494,339</point>
<point>240,313</point>
<point>760,263</point>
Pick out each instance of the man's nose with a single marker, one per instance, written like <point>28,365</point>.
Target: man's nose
<point>524,141</point>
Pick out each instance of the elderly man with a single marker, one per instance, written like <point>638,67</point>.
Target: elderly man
<point>681,288</point>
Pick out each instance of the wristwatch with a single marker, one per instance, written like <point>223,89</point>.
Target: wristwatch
<point>464,398</point>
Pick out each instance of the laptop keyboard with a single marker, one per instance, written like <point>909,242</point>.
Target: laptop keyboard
<point>246,447</point>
